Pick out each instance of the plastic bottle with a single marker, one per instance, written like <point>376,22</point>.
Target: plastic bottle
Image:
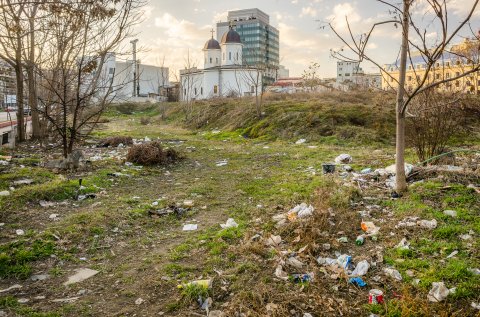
<point>360,240</point>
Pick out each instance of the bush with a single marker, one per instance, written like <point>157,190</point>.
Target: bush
<point>144,120</point>
<point>116,140</point>
<point>152,153</point>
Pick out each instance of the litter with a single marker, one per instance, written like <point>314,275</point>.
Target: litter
<point>438,292</point>
<point>222,163</point>
<point>280,273</point>
<point>302,278</point>
<point>451,213</point>
<point>188,203</point>
<point>301,211</point>
<point>86,196</point>
<point>357,281</point>
<point>375,296</point>
<point>19,232</point>
<point>328,168</point>
<point>392,169</point>
<point>361,268</point>
<point>301,141</point>
<point>343,158</point>
<point>178,211</point>
<point>81,275</point>
<point>273,240</point>
<point>403,245</point>
<point>23,182</point>
<point>229,224</point>
<point>294,262</point>
<point>46,204</point>
<point>53,216</point>
<point>465,237</point>
<point>342,239</point>
<point>360,240</point>
<point>393,273</point>
<point>475,305</point>
<point>190,227</point>
<point>5,193</point>
<point>369,227</point>
<point>451,255</point>
<point>65,300</point>
<point>367,170</point>
<point>207,283</point>
<point>139,301</point>
<point>39,277</point>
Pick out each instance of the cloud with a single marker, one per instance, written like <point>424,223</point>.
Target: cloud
<point>340,11</point>
<point>308,11</point>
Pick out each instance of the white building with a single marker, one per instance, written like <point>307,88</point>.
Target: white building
<point>283,72</point>
<point>223,75</point>
<point>351,75</point>
<point>117,79</point>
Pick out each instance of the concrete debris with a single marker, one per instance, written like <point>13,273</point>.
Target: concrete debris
<point>190,227</point>
<point>451,213</point>
<point>343,159</point>
<point>438,293</point>
<point>393,273</point>
<point>81,275</point>
<point>301,141</point>
<point>229,224</point>
<point>15,286</point>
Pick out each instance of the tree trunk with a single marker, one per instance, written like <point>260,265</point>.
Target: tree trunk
<point>32,89</point>
<point>401,181</point>
<point>20,91</point>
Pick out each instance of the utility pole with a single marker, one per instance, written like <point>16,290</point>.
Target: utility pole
<point>134,66</point>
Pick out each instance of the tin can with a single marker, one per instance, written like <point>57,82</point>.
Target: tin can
<point>375,296</point>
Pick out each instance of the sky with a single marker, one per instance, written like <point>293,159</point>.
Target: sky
<point>172,30</point>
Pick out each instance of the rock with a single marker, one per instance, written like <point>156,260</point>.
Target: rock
<point>53,216</point>
<point>301,141</point>
<point>190,227</point>
<point>25,181</point>
<point>343,159</point>
<point>81,275</point>
<point>427,224</point>
<point>46,204</point>
<point>438,292</point>
<point>139,301</point>
<point>15,286</point>
<point>5,193</point>
<point>65,300</point>
<point>39,277</point>
<point>19,232</point>
<point>188,203</point>
<point>23,300</point>
<point>451,213</point>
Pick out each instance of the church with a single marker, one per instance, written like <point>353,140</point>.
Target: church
<point>224,73</point>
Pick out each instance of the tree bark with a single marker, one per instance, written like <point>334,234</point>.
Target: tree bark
<point>20,92</point>
<point>32,89</point>
<point>401,181</point>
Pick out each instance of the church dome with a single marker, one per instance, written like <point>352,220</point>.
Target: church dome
<point>231,37</point>
<point>212,44</point>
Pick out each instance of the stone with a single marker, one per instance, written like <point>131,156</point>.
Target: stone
<point>81,275</point>
<point>19,232</point>
<point>139,301</point>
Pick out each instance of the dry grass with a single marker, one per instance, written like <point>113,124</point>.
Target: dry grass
<point>115,141</point>
<point>152,153</point>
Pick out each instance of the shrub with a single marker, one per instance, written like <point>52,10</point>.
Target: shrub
<point>152,153</point>
<point>116,140</point>
<point>144,120</point>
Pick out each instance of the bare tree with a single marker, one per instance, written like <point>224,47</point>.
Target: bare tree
<point>12,34</point>
<point>310,76</point>
<point>414,43</point>
<point>74,87</point>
